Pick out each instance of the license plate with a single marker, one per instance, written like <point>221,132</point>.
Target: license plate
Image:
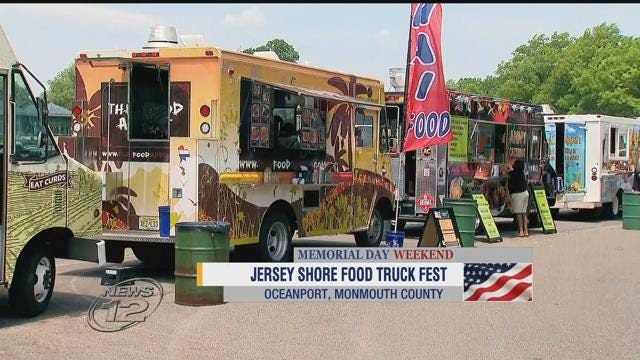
<point>148,223</point>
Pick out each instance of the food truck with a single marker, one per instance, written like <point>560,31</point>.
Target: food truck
<point>594,157</point>
<point>50,205</point>
<point>269,146</point>
<point>489,135</point>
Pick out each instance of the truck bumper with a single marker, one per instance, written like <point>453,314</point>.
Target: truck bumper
<point>92,250</point>
<point>576,205</point>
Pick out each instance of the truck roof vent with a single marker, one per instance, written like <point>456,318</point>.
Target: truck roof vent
<point>396,76</point>
<point>162,36</point>
<point>267,54</point>
<point>193,40</point>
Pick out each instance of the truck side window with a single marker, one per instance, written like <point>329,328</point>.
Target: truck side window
<point>384,132</point>
<point>28,129</point>
<point>364,131</point>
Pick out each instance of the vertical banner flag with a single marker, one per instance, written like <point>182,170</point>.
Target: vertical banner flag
<point>429,122</point>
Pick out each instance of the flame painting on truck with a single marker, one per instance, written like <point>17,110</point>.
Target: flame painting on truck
<point>50,204</point>
<point>269,146</point>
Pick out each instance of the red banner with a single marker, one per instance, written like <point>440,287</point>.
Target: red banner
<point>429,122</point>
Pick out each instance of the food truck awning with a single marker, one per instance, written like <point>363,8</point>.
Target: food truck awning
<point>322,94</point>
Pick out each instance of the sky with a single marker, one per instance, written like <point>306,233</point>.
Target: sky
<point>362,39</point>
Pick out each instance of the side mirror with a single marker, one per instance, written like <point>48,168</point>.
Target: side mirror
<point>43,111</point>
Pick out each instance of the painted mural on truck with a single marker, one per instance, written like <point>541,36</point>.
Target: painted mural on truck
<point>279,161</point>
<point>247,120</point>
<point>47,198</point>
<point>135,171</point>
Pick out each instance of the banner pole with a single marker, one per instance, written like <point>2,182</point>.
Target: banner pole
<point>405,92</point>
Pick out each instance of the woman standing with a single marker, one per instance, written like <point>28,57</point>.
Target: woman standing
<point>519,196</point>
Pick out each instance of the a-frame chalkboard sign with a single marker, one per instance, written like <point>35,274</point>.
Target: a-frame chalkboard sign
<point>440,230</point>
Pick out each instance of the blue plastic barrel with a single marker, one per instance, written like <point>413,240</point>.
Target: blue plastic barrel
<point>394,238</point>
<point>165,220</point>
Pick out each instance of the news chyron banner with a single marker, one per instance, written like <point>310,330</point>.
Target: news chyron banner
<point>379,274</point>
<point>429,121</point>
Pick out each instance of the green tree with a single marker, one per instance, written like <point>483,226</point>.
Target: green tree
<point>522,77</point>
<point>597,72</point>
<point>284,50</point>
<point>62,87</point>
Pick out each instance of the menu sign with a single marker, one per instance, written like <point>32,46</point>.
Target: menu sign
<point>441,229</point>
<point>458,151</point>
<point>260,116</point>
<point>548,224</point>
<point>488,223</point>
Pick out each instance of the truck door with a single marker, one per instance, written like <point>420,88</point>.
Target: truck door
<point>427,177</point>
<point>3,162</point>
<point>36,174</point>
<point>148,97</point>
<point>574,158</point>
<point>365,163</point>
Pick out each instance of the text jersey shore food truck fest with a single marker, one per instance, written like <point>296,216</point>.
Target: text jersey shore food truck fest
<point>489,135</point>
<point>50,204</point>
<point>594,157</point>
<point>269,146</point>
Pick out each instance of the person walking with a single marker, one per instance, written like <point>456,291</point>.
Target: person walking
<point>519,196</point>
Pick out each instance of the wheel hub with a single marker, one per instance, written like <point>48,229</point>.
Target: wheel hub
<point>375,227</point>
<point>277,241</point>
<point>43,279</point>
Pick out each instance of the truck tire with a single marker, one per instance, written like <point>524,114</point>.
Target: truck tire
<point>612,210</point>
<point>275,239</point>
<point>554,213</point>
<point>373,235</point>
<point>33,281</point>
<point>155,256</point>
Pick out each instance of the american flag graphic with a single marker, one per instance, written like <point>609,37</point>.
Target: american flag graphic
<point>498,282</point>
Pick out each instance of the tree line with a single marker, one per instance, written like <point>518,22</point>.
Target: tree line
<point>598,72</point>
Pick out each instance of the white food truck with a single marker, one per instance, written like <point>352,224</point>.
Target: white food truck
<point>594,157</point>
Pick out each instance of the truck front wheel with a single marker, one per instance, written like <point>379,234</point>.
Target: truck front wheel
<point>33,281</point>
<point>373,235</point>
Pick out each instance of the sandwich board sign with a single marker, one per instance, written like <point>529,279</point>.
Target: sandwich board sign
<point>543,210</point>
<point>486,219</point>
<point>440,230</point>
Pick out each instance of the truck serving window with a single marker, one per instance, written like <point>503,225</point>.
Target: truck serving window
<point>619,143</point>
<point>149,102</point>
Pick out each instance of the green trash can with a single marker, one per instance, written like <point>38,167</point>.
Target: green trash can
<point>199,242</point>
<point>631,210</point>
<point>465,212</point>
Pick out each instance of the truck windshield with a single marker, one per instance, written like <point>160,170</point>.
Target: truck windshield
<point>28,128</point>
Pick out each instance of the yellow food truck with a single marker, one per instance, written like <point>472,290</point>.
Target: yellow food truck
<point>50,204</point>
<point>270,146</point>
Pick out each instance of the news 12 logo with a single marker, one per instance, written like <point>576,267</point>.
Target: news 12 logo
<point>432,124</point>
